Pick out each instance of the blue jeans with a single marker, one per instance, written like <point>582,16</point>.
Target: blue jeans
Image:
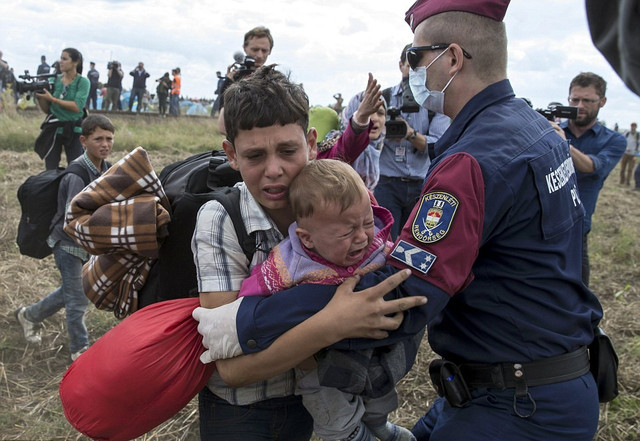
<point>136,92</point>
<point>636,176</point>
<point>174,104</point>
<point>277,419</point>
<point>70,296</point>
<point>399,196</point>
<point>564,411</point>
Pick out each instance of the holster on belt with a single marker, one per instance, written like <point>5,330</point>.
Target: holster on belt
<point>604,366</point>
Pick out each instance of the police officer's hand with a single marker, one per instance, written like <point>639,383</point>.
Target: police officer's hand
<point>366,313</point>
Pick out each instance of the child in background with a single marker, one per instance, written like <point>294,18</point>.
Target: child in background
<point>97,140</point>
<point>337,234</point>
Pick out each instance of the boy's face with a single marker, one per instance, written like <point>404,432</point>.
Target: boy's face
<point>98,145</point>
<point>268,159</point>
<point>341,237</point>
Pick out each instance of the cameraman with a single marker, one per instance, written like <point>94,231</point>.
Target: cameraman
<point>258,43</point>
<point>114,86</point>
<point>404,161</point>
<point>64,109</point>
<point>140,76</point>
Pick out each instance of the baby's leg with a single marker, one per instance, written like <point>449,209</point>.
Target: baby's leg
<point>375,418</point>
<point>336,415</point>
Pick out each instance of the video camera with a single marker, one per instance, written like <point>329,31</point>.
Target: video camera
<point>244,65</point>
<point>113,65</point>
<point>35,83</point>
<point>553,112</point>
<point>398,129</point>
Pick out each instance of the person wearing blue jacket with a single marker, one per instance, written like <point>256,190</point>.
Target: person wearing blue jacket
<point>595,149</point>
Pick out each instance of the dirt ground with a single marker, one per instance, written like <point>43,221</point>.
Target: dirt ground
<point>30,374</point>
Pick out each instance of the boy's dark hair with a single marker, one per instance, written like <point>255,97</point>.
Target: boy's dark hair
<point>258,32</point>
<point>263,99</point>
<point>587,79</point>
<point>93,122</point>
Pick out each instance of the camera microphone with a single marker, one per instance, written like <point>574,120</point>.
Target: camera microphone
<point>238,57</point>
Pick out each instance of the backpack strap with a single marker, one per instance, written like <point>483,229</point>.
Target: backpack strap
<point>229,198</point>
<point>79,170</point>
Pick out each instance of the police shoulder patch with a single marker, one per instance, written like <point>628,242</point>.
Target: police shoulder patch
<point>413,256</point>
<point>434,216</point>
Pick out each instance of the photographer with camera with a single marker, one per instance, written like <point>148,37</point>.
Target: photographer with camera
<point>114,86</point>
<point>404,158</point>
<point>64,109</point>
<point>257,47</point>
<point>140,76</point>
<point>595,149</point>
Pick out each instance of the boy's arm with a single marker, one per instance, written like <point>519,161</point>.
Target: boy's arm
<point>213,299</point>
<point>221,265</point>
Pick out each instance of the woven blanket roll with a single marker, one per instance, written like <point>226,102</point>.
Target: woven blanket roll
<point>121,219</point>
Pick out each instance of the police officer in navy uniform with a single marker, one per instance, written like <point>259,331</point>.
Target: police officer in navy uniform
<point>501,217</point>
<point>494,243</point>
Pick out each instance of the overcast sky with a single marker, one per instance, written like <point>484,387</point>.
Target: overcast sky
<point>328,45</point>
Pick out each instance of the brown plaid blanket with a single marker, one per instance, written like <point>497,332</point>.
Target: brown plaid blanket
<point>121,219</point>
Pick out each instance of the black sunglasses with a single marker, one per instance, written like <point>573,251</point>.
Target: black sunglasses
<point>414,56</point>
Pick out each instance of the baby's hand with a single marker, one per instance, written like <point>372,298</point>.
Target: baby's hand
<point>371,101</point>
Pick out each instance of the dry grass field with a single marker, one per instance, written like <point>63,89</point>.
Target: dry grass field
<point>30,408</point>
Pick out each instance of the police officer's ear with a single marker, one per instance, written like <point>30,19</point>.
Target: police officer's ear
<point>456,57</point>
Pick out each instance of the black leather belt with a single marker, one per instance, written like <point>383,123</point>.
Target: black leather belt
<point>397,178</point>
<point>548,371</point>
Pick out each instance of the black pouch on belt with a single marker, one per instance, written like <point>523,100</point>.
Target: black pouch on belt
<point>603,362</point>
<point>448,381</point>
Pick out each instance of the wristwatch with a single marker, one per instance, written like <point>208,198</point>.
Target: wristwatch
<point>413,135</point>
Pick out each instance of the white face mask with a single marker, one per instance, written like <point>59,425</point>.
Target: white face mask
<point>429,99</point>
